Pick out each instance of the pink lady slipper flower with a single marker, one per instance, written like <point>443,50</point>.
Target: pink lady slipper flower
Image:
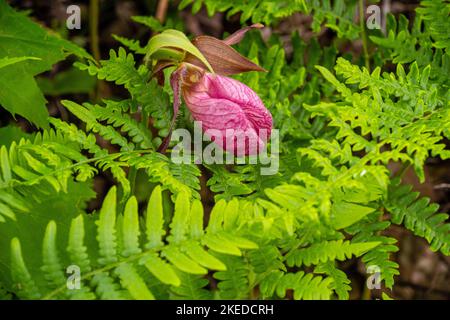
<point>231,113</point>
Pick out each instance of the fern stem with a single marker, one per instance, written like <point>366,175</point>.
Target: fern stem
<point>363,34</point>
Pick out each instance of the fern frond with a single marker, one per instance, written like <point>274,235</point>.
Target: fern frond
<point>192,288</point>
<point>158,167</point>
<point>226,184</point>
<point>426,43</point>
<point>4,295</point>
<point>120,68</point>
<point>436,12</point>
<point>233,282</point>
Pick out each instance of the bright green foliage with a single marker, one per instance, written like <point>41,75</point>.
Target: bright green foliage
<point>259,11</point>
<point>115,251</point>
<point>8,61</point>
<point>340,281</point>
<point>120,68</point>
<point>152,23</point>
<point>369,230</point>
<point>336,15</point>
<point>327,250</point>
<point>47,162</point>
<point>304,286</point>
<point>113,114</point>
<point>426,43</point>
<point>436,13</point>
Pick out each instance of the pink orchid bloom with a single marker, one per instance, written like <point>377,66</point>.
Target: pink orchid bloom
<point>231,113</point>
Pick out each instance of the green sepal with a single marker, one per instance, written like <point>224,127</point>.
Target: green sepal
<point>175,39</point>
